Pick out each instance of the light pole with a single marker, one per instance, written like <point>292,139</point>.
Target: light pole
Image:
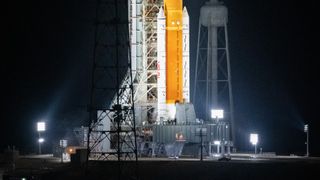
<point>306,130</point>
<point>201,131</point>
<point>63,145</point>
<point>41,127</point>
<point>40,141</point>
<point>254,141</point>
<point>201,147</point>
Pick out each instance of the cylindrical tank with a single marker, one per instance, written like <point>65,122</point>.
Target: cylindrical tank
<point>213,13</point>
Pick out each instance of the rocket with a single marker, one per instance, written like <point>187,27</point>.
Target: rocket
<point>173,77</point>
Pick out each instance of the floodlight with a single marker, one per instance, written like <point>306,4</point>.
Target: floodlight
<point>254,139</point>
<point>306,128</point>
<point>217,113</point>
<point>41,126</point>
<point>40,140</point>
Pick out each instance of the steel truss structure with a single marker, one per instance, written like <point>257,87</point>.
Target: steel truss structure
<point>143,34</point>
<point>143,38</point>
<point>223,68</point>
<point>213,71</point>
<point>112,127</point>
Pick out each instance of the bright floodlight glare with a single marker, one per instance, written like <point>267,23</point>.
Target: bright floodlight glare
<point>41,126</point>
<point>254,139</point>
<point>216,142</point>
<point>41,140</point>
<point>217,113</point>
<point>306,128</point>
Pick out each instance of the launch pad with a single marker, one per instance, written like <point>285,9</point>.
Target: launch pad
<point>152,113</point>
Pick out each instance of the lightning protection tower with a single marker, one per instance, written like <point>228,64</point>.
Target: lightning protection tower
<point>212,86</point>
<point>112,134</point>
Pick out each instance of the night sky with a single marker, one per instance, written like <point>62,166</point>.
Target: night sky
<point>46,64</point>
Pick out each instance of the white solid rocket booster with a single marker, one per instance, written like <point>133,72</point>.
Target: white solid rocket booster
<point>161,65</point>
<point>186,56</point>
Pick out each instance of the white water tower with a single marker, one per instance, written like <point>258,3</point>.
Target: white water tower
<point>212,85</point>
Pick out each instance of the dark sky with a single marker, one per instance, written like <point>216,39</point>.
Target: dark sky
<point>48,49</point>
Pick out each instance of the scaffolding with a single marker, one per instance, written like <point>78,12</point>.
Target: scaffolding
<point>143,31</point>
<point>143,38</point>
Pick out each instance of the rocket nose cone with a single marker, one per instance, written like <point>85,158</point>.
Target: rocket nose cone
<point>161,13</point>
<point>185,12</point>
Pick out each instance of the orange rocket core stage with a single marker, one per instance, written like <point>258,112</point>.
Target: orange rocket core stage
<point>173,12</point>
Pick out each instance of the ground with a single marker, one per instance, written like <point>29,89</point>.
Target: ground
<point>239,167</point>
